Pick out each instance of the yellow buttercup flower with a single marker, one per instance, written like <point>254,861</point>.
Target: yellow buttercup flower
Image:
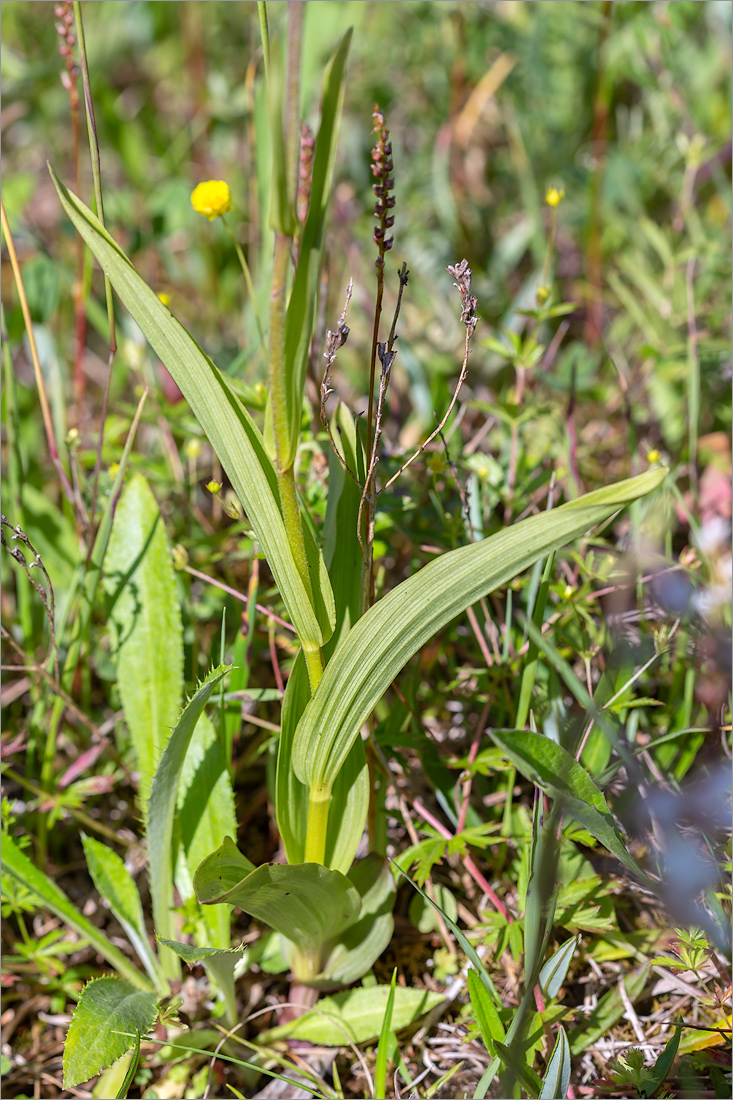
<point>211,198</point>
<point>554,195</point>
<point>653,455</point>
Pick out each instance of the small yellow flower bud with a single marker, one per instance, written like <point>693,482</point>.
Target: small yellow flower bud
<point>554,195</point>
<point>72,437</point>
<point>165,298</point>
<point>180,557</point>
<point>211,198</point>
<point>568,591</point>
<point>214,486</point>
<point>543,293</point>
<point>653,455</point>
<point>192,448</point>
<point>113,469</point>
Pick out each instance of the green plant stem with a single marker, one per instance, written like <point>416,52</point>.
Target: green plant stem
<point>280,429</point>
<point>315,838</point>
<point>296,11</point>
<point>265,35</point>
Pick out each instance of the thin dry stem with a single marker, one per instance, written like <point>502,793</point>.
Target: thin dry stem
<point>462,274</point>
<point>387,355</point>
<point>47,597</point>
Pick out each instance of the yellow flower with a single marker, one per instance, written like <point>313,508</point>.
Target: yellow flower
<point>554,196</point>
<point>568,591</point>
<point>164,297</point>
<point>211,198</point>
<point>653,456</point>
<point>214,486</point>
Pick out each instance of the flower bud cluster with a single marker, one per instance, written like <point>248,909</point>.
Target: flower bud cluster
<point>64,22</point>
<point>382,167</point>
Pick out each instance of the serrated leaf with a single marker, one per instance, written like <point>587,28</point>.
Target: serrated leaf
<point>162,808</point>
<point>17,864</point>
<point>356,1015</point>
<point>557,1076</point>
<point>229,428</point>
<point>383,640</point>
<point>146,626</point>
<point>206,814</point>
<point>552,769</point>
<point>554,972</point>
<point>109,1015</point>
<point>116,885</point>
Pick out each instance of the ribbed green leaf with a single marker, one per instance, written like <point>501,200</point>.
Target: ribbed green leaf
<point>146,625</point>
<point>350,795</point>
<point>356,1015</point>
<point>109,1017</point>
<point>551,768</point>
<point>162,810</point>
<point>17,864</point>
<point>307,903</point>
<point>303,302</point>
<point>230,429</point>
<point>117,886</point>
<point>384,639</point>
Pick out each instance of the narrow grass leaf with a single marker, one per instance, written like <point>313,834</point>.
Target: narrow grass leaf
<point>484,1008</point>
<point>301,315</point>
<point>108,1017</point>
<point>131,1070</point>
<point>117,886</point>
<point>380,1069</point>
<point>468,948</point>
<point>379,645</point>
<point>17,864</point>
<point>557,1076</point>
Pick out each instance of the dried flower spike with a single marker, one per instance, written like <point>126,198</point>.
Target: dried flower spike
<point>382,168</point>
<point>211,198</point>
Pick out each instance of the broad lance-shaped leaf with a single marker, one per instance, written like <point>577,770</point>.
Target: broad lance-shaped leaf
<point>146,625</point>
<point>109,1017</point>
<point>380,644</point>
<point>356,1016</point>
<point>162,810</point>
<point>551,768</point>
<point>306,902</point>
<point>228,426</point>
